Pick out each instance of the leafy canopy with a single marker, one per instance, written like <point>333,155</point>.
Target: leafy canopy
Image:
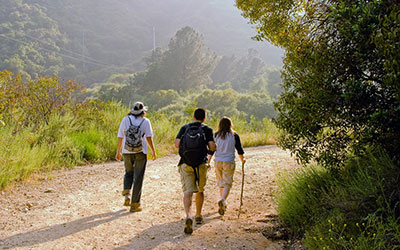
<point>341,74</point>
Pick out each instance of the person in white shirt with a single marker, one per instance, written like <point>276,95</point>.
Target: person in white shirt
<point>135,160</point>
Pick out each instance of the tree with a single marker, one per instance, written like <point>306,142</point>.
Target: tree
<point>239,72</point>
<point>184,65</point>
<point>341,82</point>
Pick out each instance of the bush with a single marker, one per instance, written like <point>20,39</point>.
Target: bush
<point>356,208</point>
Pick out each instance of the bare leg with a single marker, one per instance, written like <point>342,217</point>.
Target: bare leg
<point>225,192</point>
<point>187,202</point>
<point>199,203</point>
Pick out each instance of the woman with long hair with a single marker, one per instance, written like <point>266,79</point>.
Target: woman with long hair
<point>227,141</point>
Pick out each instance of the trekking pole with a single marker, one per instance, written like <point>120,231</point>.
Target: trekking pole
<point>241,192</point>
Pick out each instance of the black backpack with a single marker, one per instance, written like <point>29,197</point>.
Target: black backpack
<point>133,140</point>
<point>193,145</point>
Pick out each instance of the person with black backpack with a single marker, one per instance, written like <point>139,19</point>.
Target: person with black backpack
<point>133,129</point>
<point>194,141</point>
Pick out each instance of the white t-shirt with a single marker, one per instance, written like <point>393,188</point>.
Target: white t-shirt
<point>145,128</point>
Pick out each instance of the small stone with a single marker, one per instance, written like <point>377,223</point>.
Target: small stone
<point>49,190</point>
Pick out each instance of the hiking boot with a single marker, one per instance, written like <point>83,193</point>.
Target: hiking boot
<point>199,220</point>
<point>127,201</point>
<point>221,207</point>
<point>188,226</point>
<point>135,207</point>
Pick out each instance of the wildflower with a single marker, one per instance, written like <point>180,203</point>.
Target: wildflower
<point>357,224</point>
<point>345,225</point>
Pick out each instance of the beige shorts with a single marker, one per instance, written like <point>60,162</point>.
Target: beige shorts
<point>224,171</point>
<point>188,178</point>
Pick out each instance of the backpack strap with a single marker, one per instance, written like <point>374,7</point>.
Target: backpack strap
<point>130,121</point>
<point>140,124</point>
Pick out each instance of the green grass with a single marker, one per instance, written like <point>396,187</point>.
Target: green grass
<point>89,135</point>
<point>354,208</point>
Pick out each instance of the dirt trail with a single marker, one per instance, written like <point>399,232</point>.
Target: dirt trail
<point>82,209</point>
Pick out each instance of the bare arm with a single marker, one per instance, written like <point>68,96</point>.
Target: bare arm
<point>242,158</point>
<point>151,145</point>
<point>212,146</point>
<point>176,142</point>
<point>118,155</point>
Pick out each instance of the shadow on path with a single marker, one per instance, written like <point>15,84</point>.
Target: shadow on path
<point>159,234</point>
<point>58,231</point>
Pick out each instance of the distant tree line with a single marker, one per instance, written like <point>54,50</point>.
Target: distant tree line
<point>187,72</point>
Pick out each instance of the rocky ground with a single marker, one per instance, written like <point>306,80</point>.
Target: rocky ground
<point>82,209</point>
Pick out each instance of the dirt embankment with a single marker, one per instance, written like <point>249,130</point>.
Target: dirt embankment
<point>82,209</point>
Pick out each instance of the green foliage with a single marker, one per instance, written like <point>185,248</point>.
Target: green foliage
<point>349,210</point>
<point>341,82</point>
<point>22,54</point>
<point>185,65</point>
<point>33,101</point>
<point>18,159</point>
<point>240,72</point>
<point>161,98</point>
<point>36,138</point>
<point>257,104</point>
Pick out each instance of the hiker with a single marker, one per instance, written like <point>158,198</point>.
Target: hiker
<point>132,131</point>
<point>193,140</point>
<point>227,141</point>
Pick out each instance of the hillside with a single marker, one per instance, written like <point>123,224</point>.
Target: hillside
<point>89,40</point>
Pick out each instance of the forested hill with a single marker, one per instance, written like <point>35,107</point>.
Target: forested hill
<point>89,40</point>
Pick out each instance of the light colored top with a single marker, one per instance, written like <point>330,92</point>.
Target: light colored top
<point>145,128</point>
<point>225,148</point>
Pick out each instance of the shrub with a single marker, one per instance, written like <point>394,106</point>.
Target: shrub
<point>354,208</point>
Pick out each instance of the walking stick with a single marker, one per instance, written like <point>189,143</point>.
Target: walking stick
<point>241,191</point>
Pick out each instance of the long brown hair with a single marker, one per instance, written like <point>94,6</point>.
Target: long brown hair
<point>224,127</point>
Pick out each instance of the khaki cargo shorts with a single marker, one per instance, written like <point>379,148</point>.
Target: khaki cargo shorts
<point>188,178</point>
<point>224,171</point>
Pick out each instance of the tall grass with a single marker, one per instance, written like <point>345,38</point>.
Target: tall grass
<point>356,208</point>
<point>88,134</point>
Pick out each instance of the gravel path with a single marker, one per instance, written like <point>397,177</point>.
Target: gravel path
<point>82,208</point>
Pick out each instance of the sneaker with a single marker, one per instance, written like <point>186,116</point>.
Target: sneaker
<point>127,201</point>
<point>199,220</point>
<point>188,226</point>
<point>135,207</point>
<point>221,207</point>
